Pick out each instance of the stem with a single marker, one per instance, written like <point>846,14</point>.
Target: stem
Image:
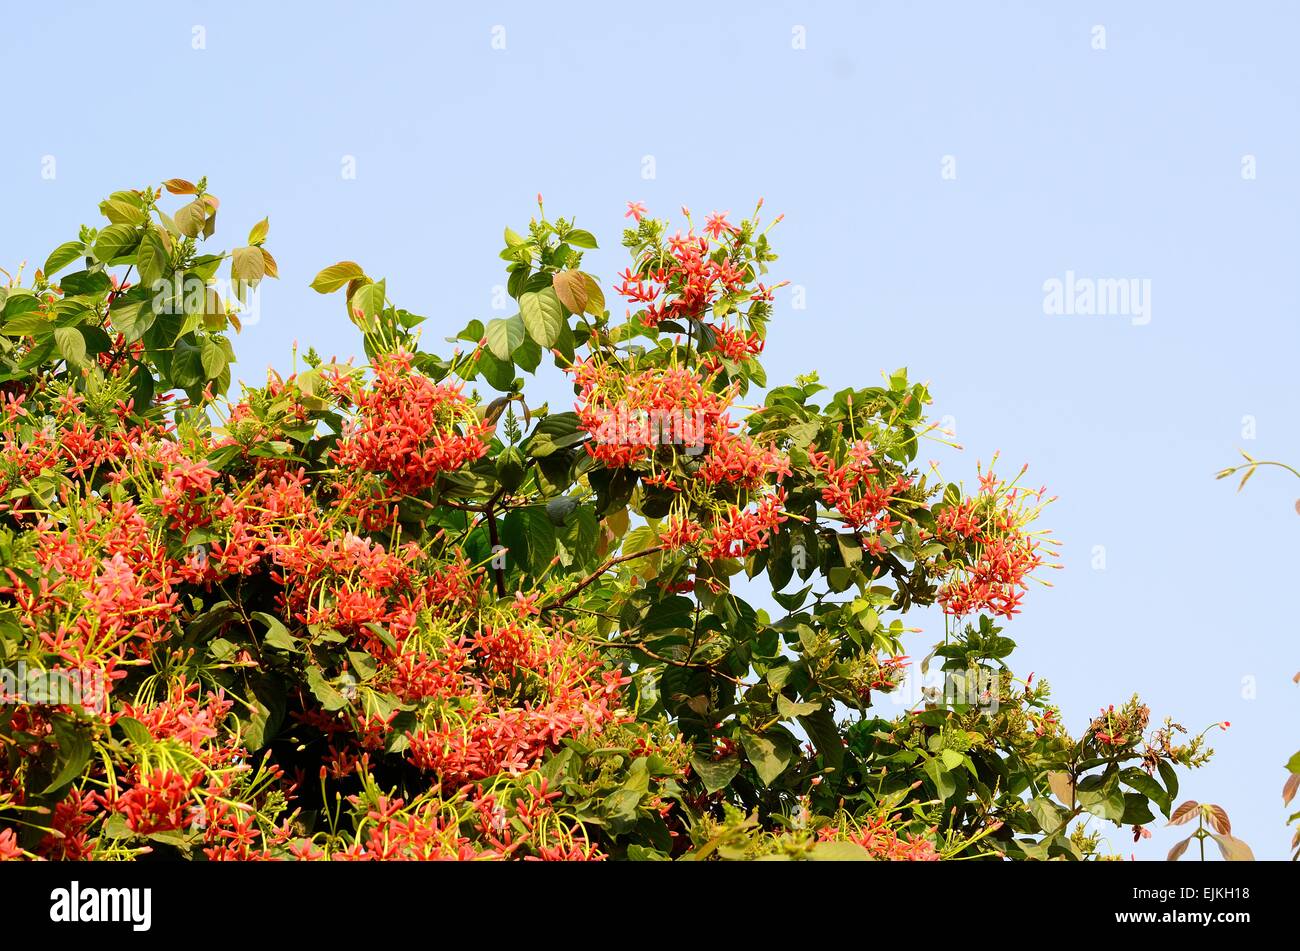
<point>595,575</point>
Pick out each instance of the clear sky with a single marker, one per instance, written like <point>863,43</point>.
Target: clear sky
<point>1170,156</point>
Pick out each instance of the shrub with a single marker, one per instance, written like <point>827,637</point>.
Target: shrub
<point>399,611</point>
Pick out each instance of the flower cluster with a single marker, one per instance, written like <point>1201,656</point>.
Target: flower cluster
<point>1000,553</point>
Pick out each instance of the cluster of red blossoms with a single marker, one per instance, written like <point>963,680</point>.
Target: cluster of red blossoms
<point>884,842</point>
<point>863,502</point>
<point>148,539</point>
<point>630,417</point>
<point>408,429</point>
<point>1001,554</point>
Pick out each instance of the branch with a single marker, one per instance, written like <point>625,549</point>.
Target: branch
<point>595,576</point>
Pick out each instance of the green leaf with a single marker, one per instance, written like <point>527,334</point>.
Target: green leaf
<point>335,276</point>
<point>74,749</point>
<point>790,709</point>
<point>580,238</point>
<point>504,334</point>
<point>113,242</point>
<point>152,259</point>
<point>944,784</point>
<point>716,774</point>
<point>186,365</point>
<point>213,358</point>
<point>1101,796</point>
<point>595,296</point>
<point>500,374</point>
<point>1137,810</point>
<point>192,217</point>
<point>64,255</point>
<point>136,732</point>
<point>78,283</point>
<point>71,345</point>
<point>277,635</point>
<point>768,752</point>
<point>542,316</point>
<point>329,698</point>
<point>821,729</point>
<point>258,234</point>
<point>1170,776</point>
<point>1142,782</point>
<point>132,316</point>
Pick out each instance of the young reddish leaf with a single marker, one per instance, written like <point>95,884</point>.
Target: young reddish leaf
<point>1219,819</point>
<point>1184,813</point>
<point>571,288</point>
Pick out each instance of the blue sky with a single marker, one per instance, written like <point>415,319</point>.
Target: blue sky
<point>1117,163</point>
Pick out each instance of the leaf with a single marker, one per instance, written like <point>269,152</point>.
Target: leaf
<point>500,374</point>
<point>789,709</point>
<point>1233,849</point>
<point>112,243</point>
<point>152,259</point>
<point>1047,813</point>
<point>247,264</point>
<point>571,288</point>
<point>1170,776</point>
<point>1176,852</point>
<point>192,217</point>
<point>769,753</point>
<point>258,234</point>
<point>213,358</point>
<point>503,335</point>
<point>179,186</point>
<point>268,264</point>
<point>581,238</point>
<point>1219,819</point>
<point>595,296</point>
<point>336,275</point>
<point>64,255</point>
<point>1101,796</point>
<point>71,345</point>
<point>840,852</point>
<point>329,698</point>
<point>716,774</point>
<point>136,732</point>
<point>1140,780</point>
<point>821,729</point>
<point>1061,787</point>
<point>1289,788</point>
<point>74,749</point>
<point>944,784</point>
<point>132,317</point>
<point>1184,813</point>
<point>558,509</point>
<point>121,212</point>
<point>542,316</point>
